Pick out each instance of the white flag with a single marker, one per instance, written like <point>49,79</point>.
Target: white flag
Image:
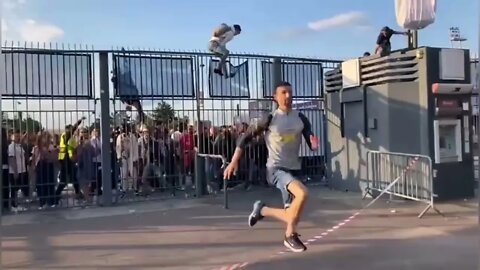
<point>415,14</point>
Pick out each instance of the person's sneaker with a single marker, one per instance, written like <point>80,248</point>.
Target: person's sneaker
<point>256,214</point>
<point>294,243</point>
<point>218,71</point>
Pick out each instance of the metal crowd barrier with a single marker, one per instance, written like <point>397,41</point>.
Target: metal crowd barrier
<point>402,175</point>
<point>225,181</point>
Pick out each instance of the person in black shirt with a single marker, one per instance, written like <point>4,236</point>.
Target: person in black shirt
<point>203,142</point>
<point>5,187</point>
<point>224,145</point>
<point>384,46</point>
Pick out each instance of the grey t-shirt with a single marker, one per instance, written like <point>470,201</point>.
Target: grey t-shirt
<point>283,136</point>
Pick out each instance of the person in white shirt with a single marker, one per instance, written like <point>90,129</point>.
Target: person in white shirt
<point>127,154</point>
<point>217,45</point>
<point>17,168</point>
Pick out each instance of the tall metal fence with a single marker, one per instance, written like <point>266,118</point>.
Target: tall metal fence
<point>71,117</point>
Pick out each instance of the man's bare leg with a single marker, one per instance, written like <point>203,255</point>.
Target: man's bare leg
<point>222,65</point>
<point>299,188</point>
<point>291,215</point>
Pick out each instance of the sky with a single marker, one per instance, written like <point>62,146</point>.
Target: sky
<point>327,29</point>
<point>308,28</point>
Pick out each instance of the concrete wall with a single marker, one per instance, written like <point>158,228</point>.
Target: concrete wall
<point>348,153</point>
<point>408,118</point>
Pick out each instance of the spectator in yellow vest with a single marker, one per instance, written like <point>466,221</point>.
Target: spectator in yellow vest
<point>68,173</point>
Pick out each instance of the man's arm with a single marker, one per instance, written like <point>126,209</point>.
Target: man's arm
<point>399,32</point>
<point>379,43</point>
<point>118,146</point>
<point>75,126</point>
<point>248,136</point>
<point>307,130</point>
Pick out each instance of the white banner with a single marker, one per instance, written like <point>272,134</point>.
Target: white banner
<point>415,14</point>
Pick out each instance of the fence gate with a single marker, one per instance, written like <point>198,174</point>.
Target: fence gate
<point>46,92</point>
<point>182,105</point>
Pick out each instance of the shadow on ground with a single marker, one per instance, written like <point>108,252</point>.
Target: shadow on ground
<point>203,235</point>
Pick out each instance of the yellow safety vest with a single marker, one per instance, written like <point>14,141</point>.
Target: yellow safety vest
<point>66,148</point>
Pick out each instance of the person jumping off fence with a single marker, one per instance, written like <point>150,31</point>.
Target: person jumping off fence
<point>283,135</point>
<point>383,46</point>
<point>123,83</point>
<point>217,45</point>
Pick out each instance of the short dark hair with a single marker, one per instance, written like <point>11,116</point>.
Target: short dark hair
<point>237,27</point>
<point>282,84</point>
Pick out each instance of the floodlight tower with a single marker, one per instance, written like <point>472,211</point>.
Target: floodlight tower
<point>456,38</point>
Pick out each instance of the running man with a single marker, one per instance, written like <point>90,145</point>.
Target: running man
<point>384,46</point>
<point>217,45</point>
<point>283,135</point>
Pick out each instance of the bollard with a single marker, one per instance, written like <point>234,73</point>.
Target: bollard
<point>225,193</point>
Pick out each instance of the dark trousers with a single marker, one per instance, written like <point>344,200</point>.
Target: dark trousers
<point>5,189</point>
<point>98,185</point>
<point>68,174</point>
<point>18,184</point>
<point>45,178</point>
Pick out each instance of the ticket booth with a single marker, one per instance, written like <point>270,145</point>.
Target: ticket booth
<point>451,113</point>
<point>452,128</point>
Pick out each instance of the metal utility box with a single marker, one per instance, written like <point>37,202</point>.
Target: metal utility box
<point>412,101</point>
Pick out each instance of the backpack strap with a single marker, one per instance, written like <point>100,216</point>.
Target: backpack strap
<point>269,120</point>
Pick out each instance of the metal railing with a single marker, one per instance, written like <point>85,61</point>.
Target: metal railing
<point>403,175</point>
<point>225,181</point>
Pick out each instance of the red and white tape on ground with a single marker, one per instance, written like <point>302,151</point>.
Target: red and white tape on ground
<point>332,229</point>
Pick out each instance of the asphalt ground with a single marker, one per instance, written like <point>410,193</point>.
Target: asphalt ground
<point>179,234</point>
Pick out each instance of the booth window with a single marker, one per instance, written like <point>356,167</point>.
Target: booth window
<point>448,141</point>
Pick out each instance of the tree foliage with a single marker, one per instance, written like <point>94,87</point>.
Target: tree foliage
<point>164,115</point>
<point>28,124</point>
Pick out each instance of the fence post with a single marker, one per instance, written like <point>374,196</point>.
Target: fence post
<point>277,71</point>
<point>199,176</point>
<point>2,181</point>
<point>199,173</point>
<point>276,77</point>
<point>105,129</point>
